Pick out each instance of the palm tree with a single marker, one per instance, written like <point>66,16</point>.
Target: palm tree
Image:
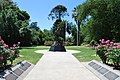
<point>75,16</point>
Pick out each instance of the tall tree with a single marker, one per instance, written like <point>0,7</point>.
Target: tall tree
<point>11,20</point>
<point>59,26</point>
<point>58,12</point>
<point>73,33</point>
<point>75,16</point>
<point>34,25</point>
<point>100,19</point>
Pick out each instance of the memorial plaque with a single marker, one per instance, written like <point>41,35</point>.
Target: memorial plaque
<point>96,66</point>
<point>25,66</point>
<point>18,71</point>
<point>102,70</point>
<point>15,72</point>
<point>111,76</point>
<point>11,77</point>
<point>91,64</point>
<point>2,74</point>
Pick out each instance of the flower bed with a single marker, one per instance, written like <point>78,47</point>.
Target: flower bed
<point>109,52</point>
<point>8,53</point>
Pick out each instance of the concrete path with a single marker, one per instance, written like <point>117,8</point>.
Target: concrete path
<point>59,66</point>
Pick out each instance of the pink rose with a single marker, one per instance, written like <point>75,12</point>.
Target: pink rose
<point>6,46</point>
<point>98,47</point>
<point>18,42</point>
<point>106,54</point>
<point>108,41</point>
<point>13,52</point>
<point>10,47</point>
<point>111,43</point>
<point>14,45</point>
<point>108,44</point>
<point>2,41</point>
<point>107,47</point>
<point>1,57</point>
<point>115,44</point>
<point>102,41</point>
<point>118,46</point>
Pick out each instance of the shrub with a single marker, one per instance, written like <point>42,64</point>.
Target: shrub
<point>48,43</point>
<point>93,43</point>
<point>7,53</point>
<point>68,43</point>
<point>114,55</point>
<point>107,51</point>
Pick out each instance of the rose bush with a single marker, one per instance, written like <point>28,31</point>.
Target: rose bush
<point>109,52</point>
<point>8,53</point>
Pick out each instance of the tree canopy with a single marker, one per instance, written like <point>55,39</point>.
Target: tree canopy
<point>99,19</point>
<point>58,12</point>
<point>12,19</point>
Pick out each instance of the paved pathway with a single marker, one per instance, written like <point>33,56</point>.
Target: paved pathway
<point>59,66</point>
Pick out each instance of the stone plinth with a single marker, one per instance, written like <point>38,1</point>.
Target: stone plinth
<point>57,48</point>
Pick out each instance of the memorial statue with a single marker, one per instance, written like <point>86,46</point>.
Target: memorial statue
<point>59,27</point>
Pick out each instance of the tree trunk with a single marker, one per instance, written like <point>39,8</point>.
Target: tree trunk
<point>78,33</point>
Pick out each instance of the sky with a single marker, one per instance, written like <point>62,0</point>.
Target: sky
<point>39,10</point>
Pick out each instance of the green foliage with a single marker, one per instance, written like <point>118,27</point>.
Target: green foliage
<point>33,25</point>
<point>58,12</point>
<point>12,19</point>
<point>114,55</point>
<point>101,52</point>
<point>74,33</point>
<point>48,35</point>
<point>26,36</point>
<point>93,43</point>
<point>107,51</point>
<point>48,43</point>
<point>59,29</point>
<point>4,3</point>
<point>99,19</point>
<point>38,37</point>
<point>7,53</point>
<point>59,26</point>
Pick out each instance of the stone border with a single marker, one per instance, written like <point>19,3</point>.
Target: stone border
<point>103,71</point>
<point>18,72</point>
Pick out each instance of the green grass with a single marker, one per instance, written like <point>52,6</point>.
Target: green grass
<point>27,53</point>
<point>86,54</point>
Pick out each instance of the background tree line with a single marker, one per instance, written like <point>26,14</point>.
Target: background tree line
<point>95,19</point>
<point>99,19</point>
<point>15,26</point>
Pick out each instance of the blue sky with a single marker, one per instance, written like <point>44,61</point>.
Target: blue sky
<point>39,10</point>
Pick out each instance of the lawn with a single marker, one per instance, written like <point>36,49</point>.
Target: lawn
<point>86,54</point>
<point>27,53</point>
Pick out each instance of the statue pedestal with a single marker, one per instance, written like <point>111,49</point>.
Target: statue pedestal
<point>57,48</point>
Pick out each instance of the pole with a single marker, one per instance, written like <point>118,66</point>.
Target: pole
<point>77,32</point>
